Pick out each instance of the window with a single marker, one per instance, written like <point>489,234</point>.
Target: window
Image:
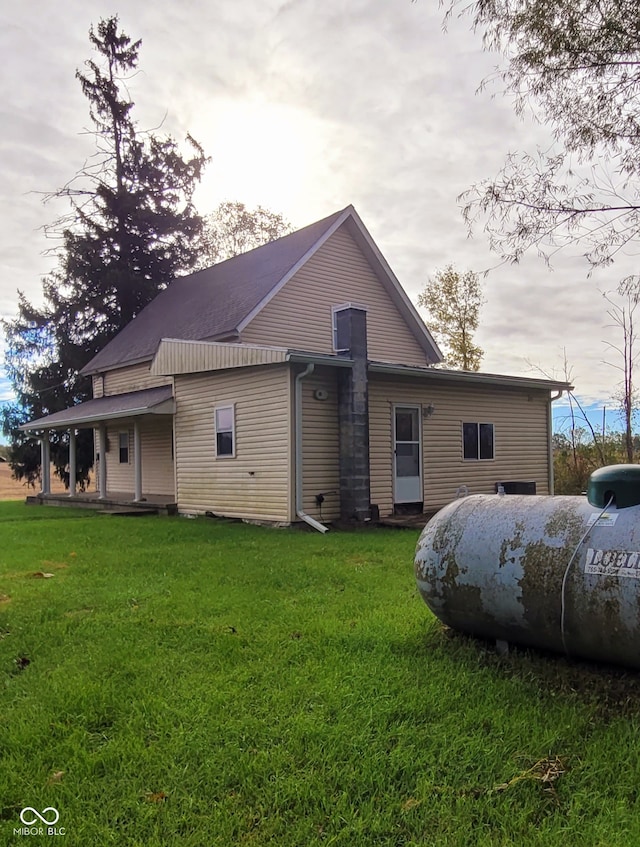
<point>225,432</point>
<point>477,441</point>
<point>123,447</point>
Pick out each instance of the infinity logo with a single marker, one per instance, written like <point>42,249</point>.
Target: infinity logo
<point>28,821</point>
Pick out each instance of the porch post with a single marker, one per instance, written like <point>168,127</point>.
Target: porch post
<point>45,462</point>
<point>137,461</point>
<point>102,465</point>
<point>72,463</point>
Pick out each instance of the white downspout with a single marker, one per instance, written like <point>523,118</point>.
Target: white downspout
<point>552,398</point>
<point>298,451</point>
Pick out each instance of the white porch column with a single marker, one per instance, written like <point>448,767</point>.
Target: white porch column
<point>102,465</point>
<point>45,462</point>
<point>137,461</point>
<point>72,463</point>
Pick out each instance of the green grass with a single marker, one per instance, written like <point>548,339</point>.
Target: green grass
<point>205,683</point>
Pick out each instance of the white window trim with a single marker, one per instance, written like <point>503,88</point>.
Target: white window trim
<point>334,327</point>
<point>493,440</point>
<point>221,408</point>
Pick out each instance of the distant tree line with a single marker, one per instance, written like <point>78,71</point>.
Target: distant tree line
<point>577,454</point>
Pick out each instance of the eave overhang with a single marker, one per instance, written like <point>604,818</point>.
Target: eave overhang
<point>176,356</point>
<point>469,377</point>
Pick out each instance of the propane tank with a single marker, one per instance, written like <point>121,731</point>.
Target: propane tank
<point>558,573</point>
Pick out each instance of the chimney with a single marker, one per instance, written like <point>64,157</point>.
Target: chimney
<point>353,415</point>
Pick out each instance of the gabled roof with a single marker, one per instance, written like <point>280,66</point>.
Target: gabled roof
<point>218,302</point>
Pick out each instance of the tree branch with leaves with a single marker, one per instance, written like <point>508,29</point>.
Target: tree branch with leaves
<point>576,65</point>
<point>233,228</point>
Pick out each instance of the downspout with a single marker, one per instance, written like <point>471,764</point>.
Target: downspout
<point>552,398</point>
<point>298,450</point>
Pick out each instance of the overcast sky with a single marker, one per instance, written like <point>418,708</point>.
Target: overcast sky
<point>305,107</point>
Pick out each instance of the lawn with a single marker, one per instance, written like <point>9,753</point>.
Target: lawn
<point>210,684</point>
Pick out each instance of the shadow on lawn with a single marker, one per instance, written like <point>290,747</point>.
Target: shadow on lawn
<point>612,691</point>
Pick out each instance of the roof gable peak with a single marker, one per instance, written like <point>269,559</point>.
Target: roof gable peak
<point>221,300</point>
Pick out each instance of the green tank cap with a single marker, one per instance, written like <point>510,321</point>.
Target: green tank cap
<point>622,482</point>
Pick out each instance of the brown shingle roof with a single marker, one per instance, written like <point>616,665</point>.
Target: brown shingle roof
<point>210,303</point>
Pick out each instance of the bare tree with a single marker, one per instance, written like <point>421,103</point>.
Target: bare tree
<point>576,418</point>
<point>623,317</point>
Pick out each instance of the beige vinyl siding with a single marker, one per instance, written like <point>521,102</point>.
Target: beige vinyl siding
<point>180,357</point>
<point>320,447</point>
<point>299,315</point>
<point>255,483</point>
<point>97,385</point>
<point>156,435</point>
<point>157,461</point>
<point>119,476</point>
<point>133,378</point>
<point>520,431</point>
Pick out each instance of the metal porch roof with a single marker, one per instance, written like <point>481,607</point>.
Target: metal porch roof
<point>148,401</point>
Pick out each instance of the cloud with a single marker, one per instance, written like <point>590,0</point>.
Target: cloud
<point>305,107</point>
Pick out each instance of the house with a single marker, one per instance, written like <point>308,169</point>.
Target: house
<point>297,382</point>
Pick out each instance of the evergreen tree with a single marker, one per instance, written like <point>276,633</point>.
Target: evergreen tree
<point>130,230</point>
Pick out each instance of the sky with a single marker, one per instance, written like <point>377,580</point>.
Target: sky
<point>305,108</point>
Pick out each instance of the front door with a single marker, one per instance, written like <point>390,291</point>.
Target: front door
<point>407,477</point>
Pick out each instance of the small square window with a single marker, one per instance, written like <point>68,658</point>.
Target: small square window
<point>477,441</point>
<point>225,432</point>
<point>123,447</point>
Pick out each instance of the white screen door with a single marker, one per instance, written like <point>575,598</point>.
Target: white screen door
<point>407,478</point>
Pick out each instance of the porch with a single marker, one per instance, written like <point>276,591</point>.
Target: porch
<point>133,451</point>
<point>120,502</point>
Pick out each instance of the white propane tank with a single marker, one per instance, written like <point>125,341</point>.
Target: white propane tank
<point>559,573</point>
